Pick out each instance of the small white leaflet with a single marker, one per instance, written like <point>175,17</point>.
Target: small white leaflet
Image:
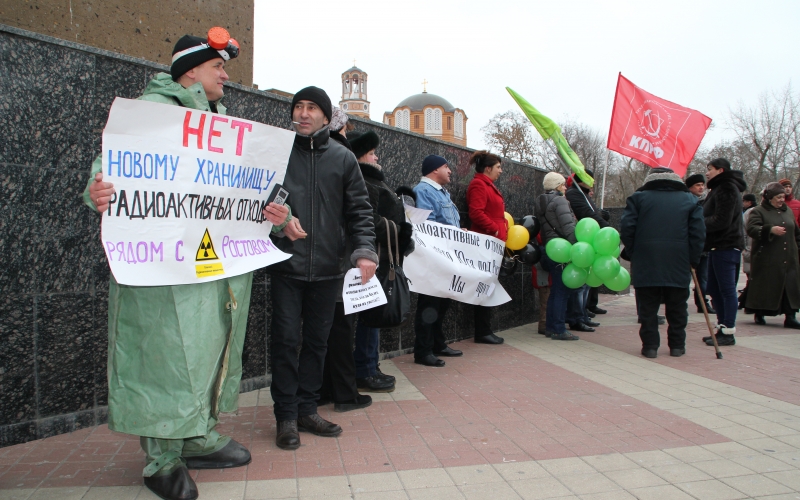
<point>416,215</point>
<point>358,297</point>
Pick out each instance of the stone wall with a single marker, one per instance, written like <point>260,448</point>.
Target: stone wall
<point>145,28</point>
<point>54,279</point>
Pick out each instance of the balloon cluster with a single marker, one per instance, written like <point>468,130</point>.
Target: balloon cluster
<point>521,243</point>
<point>593,260</point>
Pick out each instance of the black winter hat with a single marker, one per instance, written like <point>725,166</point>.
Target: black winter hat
<point>720,163</point>
<point>431,163</point>
<point>317,96</point>
<point>749,197</point>
<point>695,179</point>
<point>181,63</point>
<point>363,142</point>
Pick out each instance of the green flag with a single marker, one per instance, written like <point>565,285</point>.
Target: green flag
<point>550,130</point>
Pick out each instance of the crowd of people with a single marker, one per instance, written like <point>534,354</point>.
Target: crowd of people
<point>171,374</point>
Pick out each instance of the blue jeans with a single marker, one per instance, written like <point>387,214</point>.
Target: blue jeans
<point>576,306</point>
<point>366,352</point>
<point>722,278</point>
<point>559,296</point>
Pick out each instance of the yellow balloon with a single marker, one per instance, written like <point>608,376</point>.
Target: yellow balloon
<point>509,219</point>
<point>518,237</point>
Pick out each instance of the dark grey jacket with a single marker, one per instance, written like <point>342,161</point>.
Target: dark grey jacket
<point>327,193</point>
<point>555,216</point>
<point>663,232</point>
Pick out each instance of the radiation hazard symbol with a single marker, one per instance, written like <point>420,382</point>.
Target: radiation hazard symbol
<point>206,249</point>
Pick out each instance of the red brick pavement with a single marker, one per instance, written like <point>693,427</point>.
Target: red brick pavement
<point>494,405</point>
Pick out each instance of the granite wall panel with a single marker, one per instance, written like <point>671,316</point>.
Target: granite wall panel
<point>53,318</point>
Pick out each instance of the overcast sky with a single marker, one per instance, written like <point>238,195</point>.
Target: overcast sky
<point>561,56</point>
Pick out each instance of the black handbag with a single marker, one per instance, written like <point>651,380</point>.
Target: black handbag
<point>393,280</point>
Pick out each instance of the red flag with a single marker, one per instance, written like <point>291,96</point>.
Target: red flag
<point>654,131</point>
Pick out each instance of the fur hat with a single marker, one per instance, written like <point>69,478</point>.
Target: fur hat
<point>338,119</point>
<point>695,179</point>
<point>749,197</point>
<point>363,142</point>
<point>552,180</point>
<point>773,189</point>
<point>315,95</point>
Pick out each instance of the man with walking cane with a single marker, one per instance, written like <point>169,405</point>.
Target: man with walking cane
<point>663,231</point>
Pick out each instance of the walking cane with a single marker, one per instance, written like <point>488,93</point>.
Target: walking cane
<point>705,312</point>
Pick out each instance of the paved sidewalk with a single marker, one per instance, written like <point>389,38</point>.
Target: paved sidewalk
<point>532,419</point>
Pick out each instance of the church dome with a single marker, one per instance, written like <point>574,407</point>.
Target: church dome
<point>419,101</point>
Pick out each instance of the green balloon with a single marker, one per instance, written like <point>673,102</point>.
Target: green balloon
<point>586,230</point>
<point>619,282</point>
<point>616,252</point>
<point>582,254</point>
<point>606,241</point>
<point>593,279</point>
<point>573,276</point>
<point>558,249</point>
<point>606,267</point>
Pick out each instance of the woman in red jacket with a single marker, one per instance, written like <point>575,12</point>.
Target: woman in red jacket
<point>486,211</point>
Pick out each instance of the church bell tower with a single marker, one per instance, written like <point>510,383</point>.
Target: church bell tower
<point>354,92</point>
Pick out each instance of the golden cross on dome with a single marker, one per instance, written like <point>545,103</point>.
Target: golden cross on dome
<point>424,85</point>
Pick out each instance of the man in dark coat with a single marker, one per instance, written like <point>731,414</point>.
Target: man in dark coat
<point>663,232</point>
<point>722,211</point>
<point>697,186</point>
<point>580,199</point>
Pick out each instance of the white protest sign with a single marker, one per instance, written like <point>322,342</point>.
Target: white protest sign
<point>190,188</point>
<point>456,264</point>
<point>416,215</point>
<point>358,297</point>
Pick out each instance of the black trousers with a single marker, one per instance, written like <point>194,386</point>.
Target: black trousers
<point>483,321</point>
<point>428,325</point>
<point>302,315</point>
<point>675,302</point>
<point>339,375</point>
<point>593,299</point>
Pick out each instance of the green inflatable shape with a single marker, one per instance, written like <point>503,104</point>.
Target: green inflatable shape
<point>606,267</point>
<point>619,282</point>
<point>593,279</point>
<point>582,254</point>
<point>573,276</point>
<point>606,241</point>
<point>558,249</point>
<point>586,229</point>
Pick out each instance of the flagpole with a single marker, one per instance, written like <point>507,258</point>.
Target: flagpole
<point>605,170</point>
<point>569,172</point>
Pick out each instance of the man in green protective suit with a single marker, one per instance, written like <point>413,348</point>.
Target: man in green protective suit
<point>175,352</point>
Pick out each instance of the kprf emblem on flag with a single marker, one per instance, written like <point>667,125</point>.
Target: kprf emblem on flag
<point>654,131</point>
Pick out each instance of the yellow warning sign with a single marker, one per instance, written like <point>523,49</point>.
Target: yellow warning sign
<point>206,250</point>
<point>206,270</point>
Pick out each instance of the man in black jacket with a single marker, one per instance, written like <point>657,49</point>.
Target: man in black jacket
<point>697,186</point>
<point>580,199</point>
<point>663,232</point>
<point>328,194</point>
<point>724,243</point>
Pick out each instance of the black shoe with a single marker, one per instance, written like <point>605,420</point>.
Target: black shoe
<point>382,376</point>
<point>649,352</point>
<point>449,352</point>
<point>591,323</point>
<point>287,437</point>
<point>677,351</point>
<point>231,455</point>
<point>375,384</point>
<point>317,425</point>
<point>429,360</point>
<point>489,339</point>
<point>596,310</point>
<point>711,310</point>
<point>580,327</point>
<point>759,319</point>
<point>564,336</point>
<point>324,401</point>
<point>722,340</point>
<point>590,313</point>
<point>177,485</point>
<point>549,335</point>
<point>361,401</point>
<point>540,332</point>
<point>791,323</point>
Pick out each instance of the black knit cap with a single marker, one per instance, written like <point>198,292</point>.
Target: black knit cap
<point>318,97</point>
<point>749,197</point>
<point>363,142</point>
<point>193,59</point>
<point>720,163</point>
<point>695,179</point>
